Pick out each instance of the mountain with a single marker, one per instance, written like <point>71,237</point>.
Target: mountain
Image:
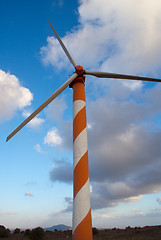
<point>58,227</point>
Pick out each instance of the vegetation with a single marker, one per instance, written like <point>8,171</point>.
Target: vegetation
<point>16,231</point>
<point>27,233</point>
<point>4,233</point>
<point>95,231</point>
<point>37,234</point>
<point>129,233</point>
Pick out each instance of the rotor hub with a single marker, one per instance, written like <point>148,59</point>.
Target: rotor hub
<point>79,70</point>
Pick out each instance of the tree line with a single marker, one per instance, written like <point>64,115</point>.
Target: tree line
<point>34,234</point>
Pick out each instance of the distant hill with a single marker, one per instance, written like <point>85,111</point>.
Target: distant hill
<point>58,227</point>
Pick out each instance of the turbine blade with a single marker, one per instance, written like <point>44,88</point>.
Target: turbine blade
<point>120,76</point>
<point>63,46</point>
<point>42,106</point>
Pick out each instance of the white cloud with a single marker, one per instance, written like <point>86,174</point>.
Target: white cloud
<point>106,216</point>
<point>13,96</point>
<point>124,136</point>
<point>120,38</point>
<point>56,112</point>
<point>35,122</point>
<point>138,212</point>
<point>90,189</point>
<point>89,126</point>
<point>133,85</point>
<point>52,54</point>
<point>53,138</point>
<point>134,199</point>
<point>130,38</point>
<point>124,149</point>
<point>38,148</point>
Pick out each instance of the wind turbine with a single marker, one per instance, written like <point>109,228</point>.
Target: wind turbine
<point>82,222</point>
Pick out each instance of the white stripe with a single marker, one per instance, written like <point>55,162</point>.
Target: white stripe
<point>81,205</point>
<point>80,147</point>
<point>77,106</point>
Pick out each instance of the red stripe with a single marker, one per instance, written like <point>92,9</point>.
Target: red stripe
<point>79,123</point>
<point>81,173</point>
<point>83,231</point>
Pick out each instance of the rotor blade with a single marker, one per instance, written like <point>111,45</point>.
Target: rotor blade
<point>63,46</point>
<point>39,109</point>
<point>120,76</point>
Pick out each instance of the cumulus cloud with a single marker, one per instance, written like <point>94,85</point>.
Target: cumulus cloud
<point>125,156</point>
<point>120,37</point>
<point>124,149</point>
<point>56,112</point>
<point>34,123</point>
<point>53,138</point>
<point>13,96</point>
<point>130,37</point>
<point>61,171</point>
<point>124,128</point>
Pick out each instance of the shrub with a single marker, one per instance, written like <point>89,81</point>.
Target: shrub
<point>4,232</point>
<point>128,228</point>
<point>37,234</point>
<point>16,231</point>
<point>95,231</point>
<point>27,232</point>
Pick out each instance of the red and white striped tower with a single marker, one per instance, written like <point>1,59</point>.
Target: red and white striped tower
<point>82,222</point>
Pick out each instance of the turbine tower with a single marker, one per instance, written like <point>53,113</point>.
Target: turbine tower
<point>82,222</point>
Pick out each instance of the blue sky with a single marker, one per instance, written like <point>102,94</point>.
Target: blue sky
<point>124,117</point>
